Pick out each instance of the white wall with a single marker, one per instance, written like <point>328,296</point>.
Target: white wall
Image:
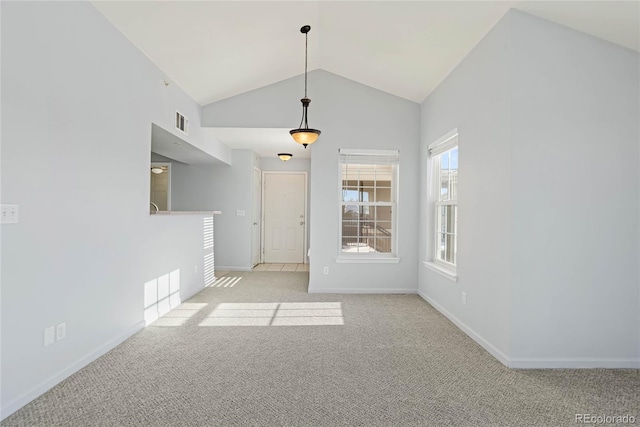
<point>190,185</point>
<point>232,189</point>
<point>357,116</point>
<point>548,201</point>
<point>350,115</point>
<point>575,180</point>
<point>475,99</point>
<point>79,99</point>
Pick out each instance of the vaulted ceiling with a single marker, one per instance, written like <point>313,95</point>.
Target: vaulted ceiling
<point>218,49</point>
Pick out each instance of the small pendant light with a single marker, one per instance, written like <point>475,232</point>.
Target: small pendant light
<point>305,135</point>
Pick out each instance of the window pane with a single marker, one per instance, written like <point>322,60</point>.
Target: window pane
<point>444,184</point>
<point>363,233</point>
<point>454,159</point>
<point>350,228</point>
<point>383,194</point>
<point>384,225</point>
<point>440,246</point>
<point>444,176</point>
<point>382,244</point>
<point>366,194</point>
<point>349,184</point>
<point>382,213</point>
<point>444,160</point>
<point>446,233</point>
<point>350,212</point>
<point>447,174</point>
<point>450,253</point>
<point>453,184</point>
<point>371,182</point>
<point>366,228</point>
<point>453,173</point>
<point>355,245</point>
<point>350,195</point>
<point>357,194</point>
<point>446,218</point>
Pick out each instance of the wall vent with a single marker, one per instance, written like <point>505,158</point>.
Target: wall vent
<point>182,123</point>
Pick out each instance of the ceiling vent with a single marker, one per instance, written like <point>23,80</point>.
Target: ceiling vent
<point>182,123</point>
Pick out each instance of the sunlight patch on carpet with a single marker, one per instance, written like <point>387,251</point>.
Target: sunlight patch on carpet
<point>179,315</point>
<point>276,314</point>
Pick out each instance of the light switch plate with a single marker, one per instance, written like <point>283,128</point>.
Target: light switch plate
<point>49,336</point>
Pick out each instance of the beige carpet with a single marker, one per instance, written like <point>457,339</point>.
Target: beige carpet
<point>394,361</point>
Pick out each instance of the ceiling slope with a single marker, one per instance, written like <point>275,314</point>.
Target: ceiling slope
<point>218,49</point>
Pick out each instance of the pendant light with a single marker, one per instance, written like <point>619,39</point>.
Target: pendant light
<point>285,156</point>
<point>305,135</point>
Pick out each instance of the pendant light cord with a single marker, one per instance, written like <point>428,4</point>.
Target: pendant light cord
<point>306,38</point>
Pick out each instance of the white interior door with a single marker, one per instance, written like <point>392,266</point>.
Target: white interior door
<point>257,214</point>
<point>284,217</point>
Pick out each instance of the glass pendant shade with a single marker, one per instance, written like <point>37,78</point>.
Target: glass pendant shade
<point>305,136</point>
<point>285,156</point>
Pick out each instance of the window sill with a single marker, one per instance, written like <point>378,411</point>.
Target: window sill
<point>366,260</point>
<point>444,271</point>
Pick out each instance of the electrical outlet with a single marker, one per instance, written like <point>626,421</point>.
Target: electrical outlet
<point>61,331</point>
<point>325,270</point>
<point>49,336</point>
<point>10,214</point>
<point>240,213</point>
<point>464,297</point>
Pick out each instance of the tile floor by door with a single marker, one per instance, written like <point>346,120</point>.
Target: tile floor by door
<point>281,267</point>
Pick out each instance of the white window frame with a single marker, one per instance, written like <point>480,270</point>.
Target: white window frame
<point>444,144</point>
<point>370,157</point>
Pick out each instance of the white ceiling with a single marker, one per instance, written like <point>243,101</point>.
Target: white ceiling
<point>218,49</point>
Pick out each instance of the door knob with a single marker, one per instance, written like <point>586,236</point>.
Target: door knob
<point>255,223</point>
<point>301,222</point>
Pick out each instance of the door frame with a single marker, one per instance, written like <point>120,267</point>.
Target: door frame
<point>305,235</point>
<point>261,219</point>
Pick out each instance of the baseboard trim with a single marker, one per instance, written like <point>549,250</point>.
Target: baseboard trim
<point>191,294</point>
<point>574,363</point>
<point>55,379</point>
<point>535,363</point>
<point>224,267</point>
<point>313,290</point>
<point>499,355</point>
